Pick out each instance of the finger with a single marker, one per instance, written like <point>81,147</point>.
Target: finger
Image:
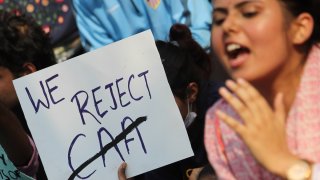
<point>236,104</point>
<point>122,171</point>
<point>233,124</point>
<point>279,108</point>
<point>245,97</point>
<point>263,108</point>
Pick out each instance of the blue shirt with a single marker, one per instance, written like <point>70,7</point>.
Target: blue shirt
<point>102,22</point>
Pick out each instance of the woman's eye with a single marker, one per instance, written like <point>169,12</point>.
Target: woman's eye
<point>249,14</point>
<point>218,21</point>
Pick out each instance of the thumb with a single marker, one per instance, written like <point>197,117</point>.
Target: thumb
<point>279,108</point>
<point>122,171</point>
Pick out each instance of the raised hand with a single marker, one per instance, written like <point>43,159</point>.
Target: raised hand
<point>263,127</point>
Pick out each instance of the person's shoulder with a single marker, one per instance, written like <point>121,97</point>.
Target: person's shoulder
<point>221,105</point>
<point>217,105</point>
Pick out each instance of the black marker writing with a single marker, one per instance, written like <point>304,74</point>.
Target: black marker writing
<point>118,138</point>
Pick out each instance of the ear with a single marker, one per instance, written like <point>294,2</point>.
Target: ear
<point>192,92</point>
<point>302,28</point>
<point>28,68</point>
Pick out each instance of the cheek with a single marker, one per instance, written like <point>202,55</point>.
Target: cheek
<point>267,29</point>
<point>8,94</point>
<point>218,46</point>
<point>274,41</point>
<point>216,37</point>
<point>217,42</point>
<point>257,34</point>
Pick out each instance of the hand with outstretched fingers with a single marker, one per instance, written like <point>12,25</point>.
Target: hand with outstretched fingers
<point>263,128</point>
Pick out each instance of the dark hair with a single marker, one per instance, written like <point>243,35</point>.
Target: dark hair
<point>179,66</point>
<point>207,170</point>
<point>23,41</point>
<point>296,7</point>
<point>183,36</point>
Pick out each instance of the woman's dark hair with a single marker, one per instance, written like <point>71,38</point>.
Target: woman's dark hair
<point>296,7</point>
<point>181,34</point>
<point>23,41</point>
<point>179,66</point>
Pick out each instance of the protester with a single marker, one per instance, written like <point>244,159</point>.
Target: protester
<point>15,146</point>
<point>102,22</point>
<point>267,125</point>
<point>187,67</point>
<point>182,35</point>
<point>24,48</point>
<point>56,18</point>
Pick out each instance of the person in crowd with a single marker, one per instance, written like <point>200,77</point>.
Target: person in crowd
<point>187,67</point>
<point>215,72</point>
<point>56,18</point>
<point>19,157</point>
<point>24,49</point>
<point>102,22</point>
<point>267,125</point>
<point>182,36</point>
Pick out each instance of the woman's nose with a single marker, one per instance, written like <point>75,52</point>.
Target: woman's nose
<point>230,24</point>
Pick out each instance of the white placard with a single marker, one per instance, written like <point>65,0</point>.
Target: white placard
<point>75,108</point>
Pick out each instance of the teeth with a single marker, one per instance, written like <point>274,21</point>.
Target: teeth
<point>232,47</point>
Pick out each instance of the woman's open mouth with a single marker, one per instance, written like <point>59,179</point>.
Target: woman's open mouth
<point>237,54</point>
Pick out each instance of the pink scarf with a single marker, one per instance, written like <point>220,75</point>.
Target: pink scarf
<point>229,155</point>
